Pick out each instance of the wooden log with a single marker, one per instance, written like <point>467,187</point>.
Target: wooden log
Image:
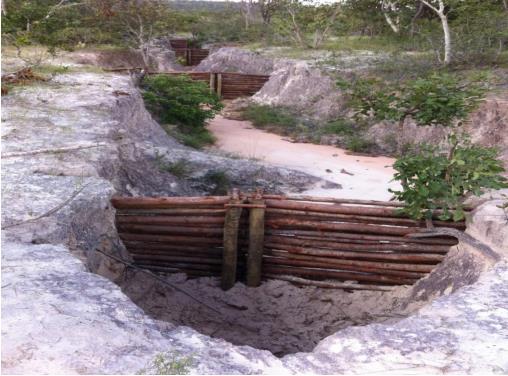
<point>190,260</point>
<point>166,220</point>
<point>418,248</point>
<point>192,212</point>
<point>230,241</point>
<point>337,209</point>
<point>315,216</point>
<point>424,258</point>
<point>327,284</point>
<point>343,276</point>
<point>384,238</point>
<point>170,239</point>
<point>219,84</point>
<point>175,230</point>
<point>342,227</point>
<point>256,241</point>
<point>170,247</point>
<point>268,260</point>
<point>418,268</point>
<point>165,202</point>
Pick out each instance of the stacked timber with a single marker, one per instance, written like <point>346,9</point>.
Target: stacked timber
<point>173,234</point>
<point>315,239</point>
<point>234,85</point>
<point>196,55</point>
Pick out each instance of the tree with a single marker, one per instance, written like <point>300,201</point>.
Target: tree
<point>301,18</point>
<point>267,9</point>
<point>440,99</point>
<point>389,7</point>
<point>438,6</point>
<point>246,10</point>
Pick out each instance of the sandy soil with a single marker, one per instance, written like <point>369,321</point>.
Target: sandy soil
<point>277,316</point>
<point>360,176</point>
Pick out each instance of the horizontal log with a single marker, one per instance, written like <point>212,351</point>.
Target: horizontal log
<point>193,212</point>
<point>327,284</point>
<point>338,209</point>
<point>338,235</point>
<point>170,247</point>
<point>361,228</point>
<point>165,202</point>
<point>190,260</point>
<point>170,239</point>
<point>424,258</point>
<point>176,230</point>
<point>200,222</point>
<point>418,268</point>
<point>419,248</point>
<point>315,216</point>
<point>192,273</point>
<point>268,260</point>
<point>343,276</point>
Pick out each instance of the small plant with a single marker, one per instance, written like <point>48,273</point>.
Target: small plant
<point>431,180</point>
<point>358,144</point>
<point>171,363</point>
<point>268,117</point>
<point>181,168</point>
<point>220,181</point>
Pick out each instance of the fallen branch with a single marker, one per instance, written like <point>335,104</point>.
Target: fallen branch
<point>52,150</point>
<point>483,248</point>
<point>50,212</point>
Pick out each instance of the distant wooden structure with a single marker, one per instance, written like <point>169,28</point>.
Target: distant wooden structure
<point>191,56</point>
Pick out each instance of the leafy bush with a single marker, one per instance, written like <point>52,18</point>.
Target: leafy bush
<point>171,363</point>
<point>188,104</point>
<point>440,99</point>
<point>263,116</point>
<point>180,100</point>
<point>431,180</point>
<point>358,144</point>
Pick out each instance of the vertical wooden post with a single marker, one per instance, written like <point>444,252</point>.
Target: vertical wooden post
<point>230,253</point>
<point>212,82</point>
<point>219,84</point>
<point>256,241</point>
<point>189,57</point>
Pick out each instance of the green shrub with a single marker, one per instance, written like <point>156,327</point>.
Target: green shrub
<point>220,181</point>
<point>267,117</point>
<point>358,144</point>
<point>181,168</point>
<point>180,100</point>
<point>188,104</point>
<point>431,180</point>
<point>171,363</point>
<point>339,127</point>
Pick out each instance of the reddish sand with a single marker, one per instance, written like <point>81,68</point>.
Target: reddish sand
<point>371,175</point>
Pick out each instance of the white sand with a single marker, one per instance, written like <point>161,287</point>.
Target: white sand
<point>371,175</point>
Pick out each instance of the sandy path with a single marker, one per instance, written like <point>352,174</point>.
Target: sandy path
<point>371,175</point>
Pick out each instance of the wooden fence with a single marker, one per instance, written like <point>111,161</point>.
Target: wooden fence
<point>354,244</point>
<point>192,56</point>
<point>229,85</point>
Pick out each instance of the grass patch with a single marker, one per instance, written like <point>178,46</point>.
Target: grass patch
<point>219,180</point>
<point>171,363</point>
<point>276,119</point>
<point>181,168</point>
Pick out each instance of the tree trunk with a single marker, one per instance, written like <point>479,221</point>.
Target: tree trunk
<point>447,40</point>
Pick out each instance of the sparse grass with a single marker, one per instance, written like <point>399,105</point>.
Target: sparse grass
<point>219,180</point>
<point>172,363</point>
<point>197,139</point>
<point>181,168</point>
<point>277,119</point>
<point>358,144</point>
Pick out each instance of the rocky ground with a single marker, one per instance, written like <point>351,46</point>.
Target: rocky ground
<point>69,144</point>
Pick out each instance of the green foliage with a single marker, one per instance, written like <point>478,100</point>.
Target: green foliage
<point>171,363</point>
<point>219,180</point>
<point>188,104</point>
<point>440,99</point>
<point>431,180</point>
<point>263,116</point>
<point>181,168</point>
<point>180,100</point>
<point>358,144</point>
